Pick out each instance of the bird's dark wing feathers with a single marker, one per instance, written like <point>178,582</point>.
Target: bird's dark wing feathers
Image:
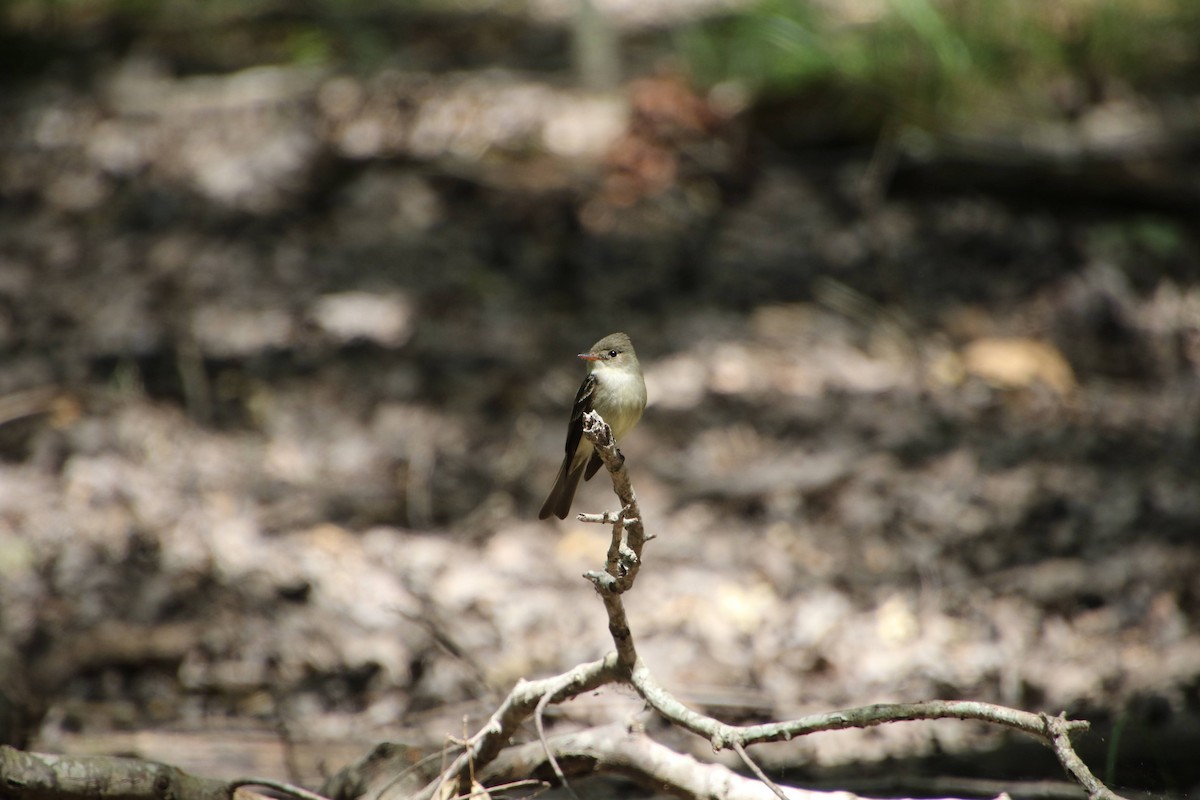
<point>583,404</point>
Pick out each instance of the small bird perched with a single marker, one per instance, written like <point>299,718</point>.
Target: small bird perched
<point>614,389</point>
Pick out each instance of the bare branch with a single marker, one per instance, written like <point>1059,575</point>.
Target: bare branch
<point>520,704</point>
<point>1054,731</point>
<point>628,531</point>
<point>40,775</point>
<point>647,758</point>
<point>625,549</point>
<point>1059,730</point>
<point>617,750</point>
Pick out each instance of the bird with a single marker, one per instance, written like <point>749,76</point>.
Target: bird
<point>613,388</point>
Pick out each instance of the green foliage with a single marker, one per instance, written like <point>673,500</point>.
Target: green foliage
<point>1127,241</point>
<point>944,62</point>
<point>309,44</point>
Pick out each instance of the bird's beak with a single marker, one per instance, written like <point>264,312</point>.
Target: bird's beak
<point>589,357</point>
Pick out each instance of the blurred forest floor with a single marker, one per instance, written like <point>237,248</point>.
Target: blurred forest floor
<point>288,351</point>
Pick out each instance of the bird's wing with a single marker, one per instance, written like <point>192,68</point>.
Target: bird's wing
<point>583,404</point>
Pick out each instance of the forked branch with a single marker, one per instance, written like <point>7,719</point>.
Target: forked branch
<point>620,571</point>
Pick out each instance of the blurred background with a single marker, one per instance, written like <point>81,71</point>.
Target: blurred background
<point>290,296</point>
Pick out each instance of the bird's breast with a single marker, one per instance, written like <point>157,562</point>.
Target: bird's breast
<point>620,398</point>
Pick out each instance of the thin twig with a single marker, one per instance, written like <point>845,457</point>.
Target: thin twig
<point>409,770</point>
<point>541,732</point>
<point>492,791</point>
<point>279,786</point>
<point>757,770</point>
<point>605,518</point>
<point>1058,730</point>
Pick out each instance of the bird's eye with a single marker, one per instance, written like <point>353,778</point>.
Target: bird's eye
<point>612,353</point>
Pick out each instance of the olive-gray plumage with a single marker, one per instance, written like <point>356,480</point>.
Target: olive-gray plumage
<point>614,389</point>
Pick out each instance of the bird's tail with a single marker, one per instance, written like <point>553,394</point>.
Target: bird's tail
<point>558,502</point>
